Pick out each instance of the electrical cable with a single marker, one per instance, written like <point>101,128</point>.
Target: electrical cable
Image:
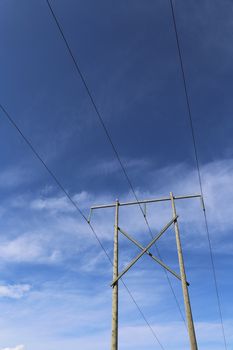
<point>198,167</point>
<point>81,75</point>
<point>62,188</point>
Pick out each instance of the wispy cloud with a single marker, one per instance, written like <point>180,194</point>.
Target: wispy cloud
<point>52,204</point>
<point>60,204</point>
<point>53,225</point>
<point>112,166</point>
<point>15,291</point>
<point>17,347</point>
<point>217,179</point>
<point>28,248</point>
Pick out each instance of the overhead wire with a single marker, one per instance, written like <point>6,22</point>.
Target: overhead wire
<point>196,155</point>
<point>81,75</point>
<point>62,188</point>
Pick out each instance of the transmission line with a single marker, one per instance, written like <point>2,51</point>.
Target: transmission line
<point>198,167</point>
<point>75,205</point>
<point>81,75</point>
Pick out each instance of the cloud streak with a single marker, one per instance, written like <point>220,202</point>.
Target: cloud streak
<point>16,291</point>
<point>18,347</point>
<point>55,224</point>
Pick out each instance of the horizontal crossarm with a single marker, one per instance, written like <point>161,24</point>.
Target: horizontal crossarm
<point>144,250</point>
<point>160,262</point>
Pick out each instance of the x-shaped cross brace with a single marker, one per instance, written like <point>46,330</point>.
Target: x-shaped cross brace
<point>146,250</point>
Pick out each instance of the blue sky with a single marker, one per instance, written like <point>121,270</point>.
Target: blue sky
<point>54,279</point>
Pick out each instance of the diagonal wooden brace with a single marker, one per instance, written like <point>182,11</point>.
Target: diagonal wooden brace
<point>144,250</point>
<point>160,262</point>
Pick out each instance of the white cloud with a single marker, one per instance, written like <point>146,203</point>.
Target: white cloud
<point>28,248</point>
<point>15,291</point>
<point>217,178</point>
<point>53,204</point>
<point>17,347</point>
<point>60,204</point>
<point>52,236</point>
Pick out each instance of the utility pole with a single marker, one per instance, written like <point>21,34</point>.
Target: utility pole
<point>114,343</point>
<point>145,250</point>
<point>188,310</point>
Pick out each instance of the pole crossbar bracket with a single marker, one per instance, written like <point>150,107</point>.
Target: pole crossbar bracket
<point>160,262</point>
<point>144,250</point>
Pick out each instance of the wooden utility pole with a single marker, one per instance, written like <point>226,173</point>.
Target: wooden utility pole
<point>188,310</point>
<point>114,344</point>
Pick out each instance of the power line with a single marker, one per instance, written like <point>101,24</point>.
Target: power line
<point>81,75</point>
<point>143,316</point>
<point>198,168</point>
<point>62,188</point>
